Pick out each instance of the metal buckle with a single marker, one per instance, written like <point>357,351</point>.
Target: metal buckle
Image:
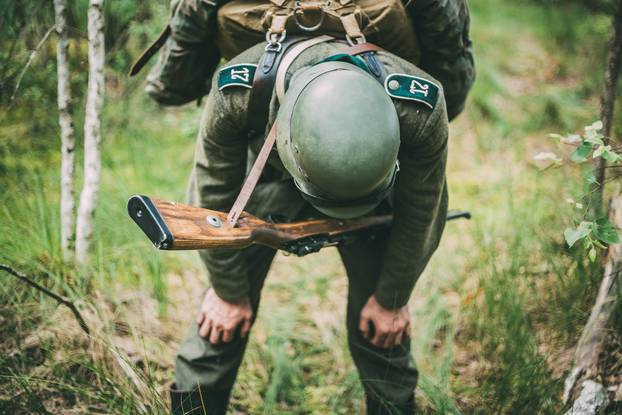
<point>299,10</point>
<point>275,42</point>
<point>356,41</point>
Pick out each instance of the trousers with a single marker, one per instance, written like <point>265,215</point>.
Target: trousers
<point>388,376</point>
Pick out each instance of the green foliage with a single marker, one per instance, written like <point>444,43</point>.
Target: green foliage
<point>600,232</point>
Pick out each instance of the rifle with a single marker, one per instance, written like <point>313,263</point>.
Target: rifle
<point>173,226</point>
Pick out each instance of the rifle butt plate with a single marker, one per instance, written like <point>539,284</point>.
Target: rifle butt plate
<point>146,215</point>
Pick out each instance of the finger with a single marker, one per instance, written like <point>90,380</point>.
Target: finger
<point>200,317</point>
<point>204,328</point>
<point>389,341</point>
<point>246,327</point>
<point>379,338</point>
<point>227,335</point>
<point>214,337</point>
<point>364,327</point>
<point>399,337</point>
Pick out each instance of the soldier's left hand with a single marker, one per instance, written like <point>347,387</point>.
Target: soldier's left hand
<point>389,326</point>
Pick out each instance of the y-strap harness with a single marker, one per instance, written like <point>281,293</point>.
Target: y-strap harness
<point>273,65</point>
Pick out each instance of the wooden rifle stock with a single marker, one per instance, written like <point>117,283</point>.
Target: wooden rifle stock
<point>173,226</point>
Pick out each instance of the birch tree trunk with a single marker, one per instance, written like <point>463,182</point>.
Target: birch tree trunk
<point>67,138</point>
<point>92,131</point>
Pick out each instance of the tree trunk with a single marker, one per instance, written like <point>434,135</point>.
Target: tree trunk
<point>92,131</point>
<point>594,336</point>
<point>67,138</point>
<point>608,97</point>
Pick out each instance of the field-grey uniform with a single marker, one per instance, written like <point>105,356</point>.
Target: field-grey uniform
<point>388,266</point>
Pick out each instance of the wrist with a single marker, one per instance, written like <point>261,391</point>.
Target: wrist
<point>389,302</point>
<point>229,297</point>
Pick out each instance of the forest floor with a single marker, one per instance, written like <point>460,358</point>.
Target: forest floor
<point>496,314</point>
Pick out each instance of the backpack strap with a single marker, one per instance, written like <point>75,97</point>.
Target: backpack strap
<point>263,84</point>
<point>368,51</point>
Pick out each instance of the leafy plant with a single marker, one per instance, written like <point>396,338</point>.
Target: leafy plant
<point>594,233</point>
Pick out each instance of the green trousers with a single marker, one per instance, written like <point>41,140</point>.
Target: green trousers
<point>388,376</point>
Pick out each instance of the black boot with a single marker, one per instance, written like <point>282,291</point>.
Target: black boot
<point>377,407</point>
<point>199,401</point>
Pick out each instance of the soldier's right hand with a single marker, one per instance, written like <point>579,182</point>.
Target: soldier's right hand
<point>218,319</point>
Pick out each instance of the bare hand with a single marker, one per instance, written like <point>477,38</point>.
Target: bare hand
<point>390,326</point>
<point>219,318</point>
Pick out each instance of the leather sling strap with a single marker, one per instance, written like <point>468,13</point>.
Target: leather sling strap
<point>252,179</point>
<point>263,85</point>
<point>290,58</point>
<point>363,48</point>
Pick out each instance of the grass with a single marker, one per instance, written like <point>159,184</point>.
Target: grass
<point>496,313</point>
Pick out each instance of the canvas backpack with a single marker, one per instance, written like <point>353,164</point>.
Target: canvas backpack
<point>244,23</point>
<point>430,33</point>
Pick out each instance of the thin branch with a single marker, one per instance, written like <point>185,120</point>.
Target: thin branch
<point>59,298</point>
<point>31,58</point>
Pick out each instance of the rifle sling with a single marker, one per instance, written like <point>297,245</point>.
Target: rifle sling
<point>252,179</point>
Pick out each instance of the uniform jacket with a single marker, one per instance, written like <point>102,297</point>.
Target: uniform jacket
<point>225,150</point>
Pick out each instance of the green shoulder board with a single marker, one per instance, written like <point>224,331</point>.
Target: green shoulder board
<point>413,88</point>
<point>237,75</point>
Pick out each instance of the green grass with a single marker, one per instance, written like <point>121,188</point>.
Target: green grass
<point>494,315</point>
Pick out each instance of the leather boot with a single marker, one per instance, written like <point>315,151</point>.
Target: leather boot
<point>376,407</point>
<point>199,401</point>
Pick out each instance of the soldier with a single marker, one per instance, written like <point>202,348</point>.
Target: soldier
<point>348,145</point>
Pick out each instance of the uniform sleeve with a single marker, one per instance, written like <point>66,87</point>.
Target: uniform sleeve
<point>420,208</point>
<point>219,172</point>
<point>447,52</point>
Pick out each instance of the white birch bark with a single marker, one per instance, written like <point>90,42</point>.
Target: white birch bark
<point>67,137</point>
<point>92,131</point>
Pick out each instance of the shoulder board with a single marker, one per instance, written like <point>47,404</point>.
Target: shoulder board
<point>412,88</point>
<point>237,75</point>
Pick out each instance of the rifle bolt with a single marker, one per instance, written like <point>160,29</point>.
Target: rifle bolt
<point>214,221</point>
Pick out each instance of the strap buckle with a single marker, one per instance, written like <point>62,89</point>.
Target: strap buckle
<point>275,41</point>
<point>301,7</point>
<point>358,40</point>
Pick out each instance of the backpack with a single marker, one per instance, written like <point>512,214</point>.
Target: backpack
<point>244,23</point>
<point>430,33</point>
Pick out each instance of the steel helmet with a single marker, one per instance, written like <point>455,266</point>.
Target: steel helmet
<point>338,136</point>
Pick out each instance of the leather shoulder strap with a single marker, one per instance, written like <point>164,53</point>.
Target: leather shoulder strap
<point>368,51</point>
<point>263,85</point>
<point>363,48</point>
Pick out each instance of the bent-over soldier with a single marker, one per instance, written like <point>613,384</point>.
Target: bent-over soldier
<point>359,131</point>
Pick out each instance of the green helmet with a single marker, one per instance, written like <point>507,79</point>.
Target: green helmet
<point>338,136</point>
